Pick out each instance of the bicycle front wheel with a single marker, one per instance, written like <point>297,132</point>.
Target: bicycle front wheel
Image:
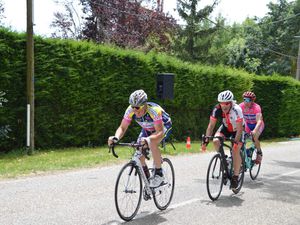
<point>163,194</point>
<point>214,177</point>
<point>255,168</point>
<point>128,191</point>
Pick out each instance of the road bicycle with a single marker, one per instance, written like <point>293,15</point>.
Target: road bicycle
<point>132,183</point>
<point>220,169</point>
<point>249,156</point>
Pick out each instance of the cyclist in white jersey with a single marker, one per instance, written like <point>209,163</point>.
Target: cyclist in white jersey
<point>232,126</point>
<point>156,126</point>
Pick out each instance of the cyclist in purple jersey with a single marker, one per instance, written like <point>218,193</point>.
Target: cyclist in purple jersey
<point>156,126</point>
<point>254,120</point>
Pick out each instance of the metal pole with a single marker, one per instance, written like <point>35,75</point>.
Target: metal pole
<point>30,74</point>
<point>298,61</point>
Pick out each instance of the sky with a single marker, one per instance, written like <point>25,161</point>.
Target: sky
<point>15,12</point>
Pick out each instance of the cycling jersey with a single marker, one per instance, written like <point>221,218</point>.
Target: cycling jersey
<point>230,119</point>
<point>250,116</point>
<point>154,115</point>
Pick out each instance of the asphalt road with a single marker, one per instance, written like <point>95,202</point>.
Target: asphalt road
<point>87,196</point>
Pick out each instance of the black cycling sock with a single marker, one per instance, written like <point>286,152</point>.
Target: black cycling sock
<point>158,172</point>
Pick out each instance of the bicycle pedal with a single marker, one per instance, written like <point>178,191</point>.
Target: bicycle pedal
<point>146,196</point>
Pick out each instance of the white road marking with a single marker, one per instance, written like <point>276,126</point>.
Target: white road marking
<point>282,175</point>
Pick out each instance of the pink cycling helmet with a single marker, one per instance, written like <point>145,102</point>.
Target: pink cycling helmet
<point>249,94</point>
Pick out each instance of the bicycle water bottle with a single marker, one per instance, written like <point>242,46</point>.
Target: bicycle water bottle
<point>249,152</point>
<point>229,162</point>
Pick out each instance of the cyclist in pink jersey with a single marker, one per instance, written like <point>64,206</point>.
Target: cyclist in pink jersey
<point>156,126</point>
<point>254,120</point>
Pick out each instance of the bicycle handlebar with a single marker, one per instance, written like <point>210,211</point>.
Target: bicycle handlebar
<point>249,136</point>
<point>221,138</point>
<point>112,147</point>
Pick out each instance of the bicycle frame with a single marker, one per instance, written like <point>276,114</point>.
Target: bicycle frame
<point>136,160</point>
<point>222,152</point>
<point>132,181</point>
<point>248,156</point>
<point>214,185</point>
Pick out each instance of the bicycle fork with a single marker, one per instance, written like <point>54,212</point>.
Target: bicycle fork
<point>227,173</point>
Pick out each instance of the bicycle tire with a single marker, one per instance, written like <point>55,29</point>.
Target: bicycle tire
<point>255,168</point>
<point>241,174</point>
<point>214,177</point>
<point>163,195</point>
<point>128,191</point>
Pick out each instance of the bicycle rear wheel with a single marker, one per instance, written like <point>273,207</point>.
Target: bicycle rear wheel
<point>255,168</point>
<point>128,191</point>
<point>214,177</point>
<point>241,174</point>
<point>163,194</point>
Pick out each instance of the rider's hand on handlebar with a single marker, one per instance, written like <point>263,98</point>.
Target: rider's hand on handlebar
<point>205,141</point>
<point>112,140</point>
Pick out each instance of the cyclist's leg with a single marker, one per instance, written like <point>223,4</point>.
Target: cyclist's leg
<point>142,134</point>
<point>216,141</point>
<point>158,175</point>
<point>237,161</point>
<point>256,136</point>
<point>236,154</point>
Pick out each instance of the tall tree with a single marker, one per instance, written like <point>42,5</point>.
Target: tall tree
<point>125,23</point>
<point>195,20</point>
<point>278,29</point>
<point>67,24</point>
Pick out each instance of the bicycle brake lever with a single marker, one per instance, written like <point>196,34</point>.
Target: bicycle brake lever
<point>112,149</point>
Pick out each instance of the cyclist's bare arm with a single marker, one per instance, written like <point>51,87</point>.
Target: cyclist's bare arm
<point>210,127</point>
<point>119,132</point>
<point>259,119</point>
<point>122,129</point>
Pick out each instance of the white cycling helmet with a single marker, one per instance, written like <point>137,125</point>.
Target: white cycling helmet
<point>225,96</point>
<point>138,98</point>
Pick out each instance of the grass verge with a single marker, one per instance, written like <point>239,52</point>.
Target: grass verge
<point>17,163</point>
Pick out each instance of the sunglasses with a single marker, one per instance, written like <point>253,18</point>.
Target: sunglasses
<point>137,107</point>
<point>247,100</point>
<point>225,103</point>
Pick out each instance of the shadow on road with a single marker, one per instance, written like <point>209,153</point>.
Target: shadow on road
<point>144,218</point>
<point>287,164</point>
<point>226,201</point>
<point>280,186</point>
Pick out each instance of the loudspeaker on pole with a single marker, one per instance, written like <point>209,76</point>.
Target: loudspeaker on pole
<point>165,86</point>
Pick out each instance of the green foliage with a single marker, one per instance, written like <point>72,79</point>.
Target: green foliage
<point>277,96</point>
<point>82,89</point>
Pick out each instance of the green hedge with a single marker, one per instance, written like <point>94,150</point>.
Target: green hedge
<point>82,89</point>
<point>279,98</point>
